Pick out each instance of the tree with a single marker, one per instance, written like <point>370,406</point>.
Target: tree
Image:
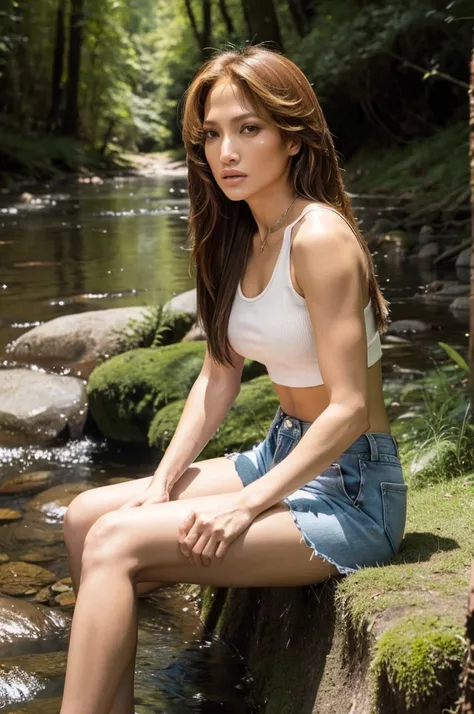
<point>203,36</point>
<point>262,22</point>
<point>58,62</point>
<point>71,112</point>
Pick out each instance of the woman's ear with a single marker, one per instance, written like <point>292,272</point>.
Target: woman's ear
<point>293,147</point>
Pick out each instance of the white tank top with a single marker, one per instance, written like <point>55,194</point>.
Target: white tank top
<point>275,329</point>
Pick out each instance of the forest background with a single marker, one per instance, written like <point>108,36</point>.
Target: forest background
<point>83,81</point>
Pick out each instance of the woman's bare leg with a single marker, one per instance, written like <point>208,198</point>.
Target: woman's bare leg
<point>126,547</point>
<point>203,478</point>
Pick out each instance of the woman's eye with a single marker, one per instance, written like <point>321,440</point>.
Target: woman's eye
<point>251,127</point>
<point>207,134</point>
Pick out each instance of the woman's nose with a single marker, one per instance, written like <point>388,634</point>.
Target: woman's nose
<point>228,150</point>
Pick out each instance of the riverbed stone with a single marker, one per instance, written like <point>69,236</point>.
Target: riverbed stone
<point>9,514</point>
<point>37,408</point>
<point>126,391</point>
<point>464,258</point>
<point>246,423</point>
<point>195,333</point>
<point>82,337</point>
<point>53,502</point>
<point>17,578</point>
<point>428,251</point>
<point>23,676</point>
<point>22,621</point>
<point>27,484</point>
<point>408,327</point>
<point>184,302</point>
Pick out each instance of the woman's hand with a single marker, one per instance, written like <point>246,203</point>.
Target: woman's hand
<point>157,492</point>
<point>205,534</point>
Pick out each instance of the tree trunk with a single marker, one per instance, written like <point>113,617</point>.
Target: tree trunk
<point>58,64</point>
<point>229,25</point>
<point>262,22</point>
<point>71,113</point>
<point>203,37</point>
<point>465,705</point>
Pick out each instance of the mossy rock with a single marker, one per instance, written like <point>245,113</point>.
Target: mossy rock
<point>126,391</point>
<point>246,423</point>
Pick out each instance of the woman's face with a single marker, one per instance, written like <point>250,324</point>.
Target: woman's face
<point>239,141</point>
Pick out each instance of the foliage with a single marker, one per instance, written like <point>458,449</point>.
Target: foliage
<point>157,327</point>
<point>397,68</point>
<point>436,434</point>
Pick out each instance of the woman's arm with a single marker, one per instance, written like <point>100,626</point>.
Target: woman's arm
<point>330,269</point>
<point>209,400</point>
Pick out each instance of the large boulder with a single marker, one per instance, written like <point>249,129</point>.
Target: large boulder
<point>126,391</point>
<point>81,341</point>
<point>36,408</point>
<point>23,623</point>
<point>246,423</point>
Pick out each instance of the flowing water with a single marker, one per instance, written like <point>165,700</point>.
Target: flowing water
<point>123,243</point>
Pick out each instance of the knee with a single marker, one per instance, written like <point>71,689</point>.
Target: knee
<point>106,543</point>
<point>79,517</point>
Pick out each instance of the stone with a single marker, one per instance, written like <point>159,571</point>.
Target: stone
<point>464,258</point>
<point>246,423</point>
<point>195,333</point>
<point>37,408</point>
<point>25,626</point>
<point>126,391</point>
<point>408,327</point>
<point>28,483</point>
<point>74,339</point>
<point>54,502</point>
<point>4,558</point>
<point>429,250</point>
<point>184,302</point>
<point>9,514</point>
<point>425,235</point>
<point>16,578</point>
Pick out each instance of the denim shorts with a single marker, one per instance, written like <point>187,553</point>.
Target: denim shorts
<point>353,513</point>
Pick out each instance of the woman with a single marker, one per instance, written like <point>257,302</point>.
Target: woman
<point>284,277</point>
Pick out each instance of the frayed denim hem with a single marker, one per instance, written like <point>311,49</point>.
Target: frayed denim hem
<point>343,570</point>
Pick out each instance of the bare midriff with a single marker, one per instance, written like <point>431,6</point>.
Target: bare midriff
<point>307,403</point>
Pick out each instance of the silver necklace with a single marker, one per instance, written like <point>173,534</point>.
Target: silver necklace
<point>276,225</point>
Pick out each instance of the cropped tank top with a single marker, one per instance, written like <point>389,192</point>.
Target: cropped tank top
<point>275,329</point>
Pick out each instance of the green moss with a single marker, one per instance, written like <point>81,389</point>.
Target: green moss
<point>126,391</point>
<point>413,657</point>
<point>245,424</point>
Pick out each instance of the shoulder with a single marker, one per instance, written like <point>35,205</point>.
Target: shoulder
<point>325,240</point>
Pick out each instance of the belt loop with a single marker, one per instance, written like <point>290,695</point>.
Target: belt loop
<point>374,452</point>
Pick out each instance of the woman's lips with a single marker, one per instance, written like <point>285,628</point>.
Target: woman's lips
<point>234,179</point>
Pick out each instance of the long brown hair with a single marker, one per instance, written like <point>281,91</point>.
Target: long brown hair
<point>221,230</point>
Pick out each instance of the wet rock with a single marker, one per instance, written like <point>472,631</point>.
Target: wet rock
<point>59,593</point>
<point>9,514</point>
<point>23,621</point>
<point>185,302</point>
<point>39,706</point>
<point>26,197</point>
<point>446,294</point>
<point>54,502</point>
<point>428,251</point>
<point>76,339</point>
<point>16,578</point>
<point>382,226</point>
<point>459,308</point>
<point>195,333</point>
<point>40,556</point>
<point>37,408</point>
<point>425,235</point>
<point>65,599</point>
<point>28,483</point>
<point>464,258</point>
<point>34,530</point>
<point>408,327</point>
<point>4,558</point>
<point>463,275</point>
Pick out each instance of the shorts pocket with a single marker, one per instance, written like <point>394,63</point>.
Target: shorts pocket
<point>394,504</point>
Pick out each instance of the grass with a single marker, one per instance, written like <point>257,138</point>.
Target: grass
<point>417,605</point>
